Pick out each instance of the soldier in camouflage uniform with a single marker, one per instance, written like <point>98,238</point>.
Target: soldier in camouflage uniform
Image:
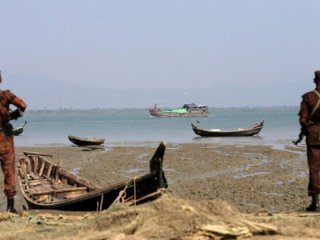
<point>7,154</point>
<point>310,125</point>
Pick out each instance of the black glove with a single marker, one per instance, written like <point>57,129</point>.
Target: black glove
<point>15,114</point>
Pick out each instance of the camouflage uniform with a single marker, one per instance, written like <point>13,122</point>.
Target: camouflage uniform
<point>311,128</point>
<point>7,155</point>
<point>309,118</point>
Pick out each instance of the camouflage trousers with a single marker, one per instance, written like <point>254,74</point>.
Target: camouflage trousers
<point>7,159</point>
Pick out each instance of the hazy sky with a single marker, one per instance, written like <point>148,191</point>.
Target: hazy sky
<point>134,53</point>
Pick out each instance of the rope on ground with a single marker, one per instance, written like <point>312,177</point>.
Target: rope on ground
<point>123,199</point>
<point>156,193</point>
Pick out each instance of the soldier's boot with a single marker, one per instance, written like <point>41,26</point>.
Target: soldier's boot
<point>10,205</point>
<point>314,206</point>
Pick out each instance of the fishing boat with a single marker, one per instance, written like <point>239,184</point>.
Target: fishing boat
<point>17,131</point>
<point>79,141</point>
<point>241,132</point>
<point>187,110</point>
<point>45,185</point>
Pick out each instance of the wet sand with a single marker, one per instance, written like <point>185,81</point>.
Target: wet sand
<point>249,179</point>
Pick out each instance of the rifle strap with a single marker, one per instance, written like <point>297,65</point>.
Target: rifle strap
<point>317,105</point>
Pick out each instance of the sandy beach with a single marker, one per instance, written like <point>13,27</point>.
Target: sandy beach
<point>209,184</point>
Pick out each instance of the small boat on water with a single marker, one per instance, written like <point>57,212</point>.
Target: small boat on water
<point>241,132</point>
<point>187,110</point>
<point>17,131</point>
<point>45,185</point>
<point>85,141</point>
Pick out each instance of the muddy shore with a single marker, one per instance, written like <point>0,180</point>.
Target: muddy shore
<point>248,179</point>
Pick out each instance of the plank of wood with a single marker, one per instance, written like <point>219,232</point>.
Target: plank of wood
<point>37,154</point>
<point>70,189</point>
<point>41,168</point>
<point>49,170</point>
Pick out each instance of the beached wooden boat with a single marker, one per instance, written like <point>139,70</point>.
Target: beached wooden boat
<point>85,141</point>
<point>241,132</point>
<point>187,110</point>
<point>45,185</point>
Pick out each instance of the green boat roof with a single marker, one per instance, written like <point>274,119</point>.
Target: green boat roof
<point>175,110</point>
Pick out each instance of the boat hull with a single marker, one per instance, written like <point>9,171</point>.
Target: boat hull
<point>255,130</point>
<point>85,141</point>
<point>19,130</point>
<point>104,198</point>
<point>188,114</point>
<point>45,185</point>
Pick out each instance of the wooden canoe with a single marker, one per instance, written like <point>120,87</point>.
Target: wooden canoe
<point>79,141</point>
<point>17,131</point>
<point>241,132</point>
<point>45,185</point>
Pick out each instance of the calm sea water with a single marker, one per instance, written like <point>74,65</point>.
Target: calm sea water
<point>135,126</point>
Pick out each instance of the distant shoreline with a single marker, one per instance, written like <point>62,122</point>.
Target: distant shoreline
<point>145,108</point>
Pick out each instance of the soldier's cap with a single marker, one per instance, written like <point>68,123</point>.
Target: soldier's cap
<point>317,75</point>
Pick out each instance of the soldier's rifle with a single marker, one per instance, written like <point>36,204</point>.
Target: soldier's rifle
<point>300,138</point>
<point>303,130</point>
